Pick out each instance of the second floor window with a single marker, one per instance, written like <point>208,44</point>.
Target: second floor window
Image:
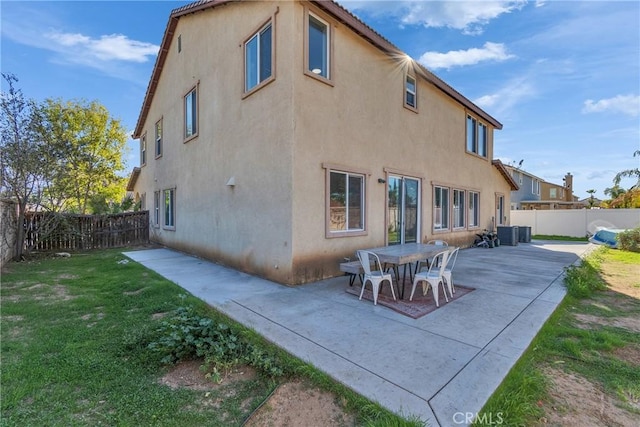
<point>258,58</point>
<point>410,98</point>
<point>159,138</point>
<point>318,45</point>
<point>191,114</point>
<point>477,137</point>
<point>143,150</point>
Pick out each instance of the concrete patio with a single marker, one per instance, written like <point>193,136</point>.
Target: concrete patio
<point>442,367</point>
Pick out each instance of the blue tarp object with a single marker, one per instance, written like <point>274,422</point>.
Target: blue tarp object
<point>606,236</point>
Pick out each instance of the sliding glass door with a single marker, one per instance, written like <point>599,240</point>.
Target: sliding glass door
<point>403,210</point>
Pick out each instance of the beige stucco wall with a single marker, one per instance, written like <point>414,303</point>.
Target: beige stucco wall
<point>274,143</point>
<point>248,225</point>
<point>360,122</point>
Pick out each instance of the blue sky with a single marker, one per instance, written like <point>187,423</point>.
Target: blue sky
<point>563,77</point>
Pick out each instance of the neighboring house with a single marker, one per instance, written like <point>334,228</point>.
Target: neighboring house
<point>280,137</point>
<point>536,193</point>
<point>529,187</point>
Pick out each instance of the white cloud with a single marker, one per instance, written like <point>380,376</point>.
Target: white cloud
<point>456,58</point>
<point>502,102</point>
<point>468,16</point>
<point>626,104</point>
<point>106,48</point>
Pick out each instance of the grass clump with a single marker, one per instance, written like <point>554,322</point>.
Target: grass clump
<point>584,279</point>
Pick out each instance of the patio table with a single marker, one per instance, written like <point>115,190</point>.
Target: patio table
<point>405,255</point>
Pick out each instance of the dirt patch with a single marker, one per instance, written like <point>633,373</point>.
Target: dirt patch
<point>293,404</point>
<point>156,316</point>
<point>629,323</point>
<point>628,353</point>
<point>296,404</point>
<point>576,402</point>
<point>187,374</point>
<point>622,278</point>
<point>138,292</point>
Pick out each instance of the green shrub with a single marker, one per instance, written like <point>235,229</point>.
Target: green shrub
<point>583,280</point>
<point>629,240</point>
<point>188,335</point>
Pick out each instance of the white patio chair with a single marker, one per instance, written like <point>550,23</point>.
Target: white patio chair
<point>437,243</point>
<point>448,269</point>
<point>433,277</point>
<point>376,276</point>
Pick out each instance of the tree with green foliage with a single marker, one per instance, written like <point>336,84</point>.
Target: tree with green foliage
<point>629,173</point>
<point>592,200</point>
<point>26,161</point>
<point>621,198</point>
<point>93,144</point>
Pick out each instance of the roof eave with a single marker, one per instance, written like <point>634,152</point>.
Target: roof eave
<point>505,174</point>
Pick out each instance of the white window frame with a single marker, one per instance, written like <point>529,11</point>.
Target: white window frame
<point>330,230</point>
<point>325,76</point>
<point>158,131</point>
<point>169,209</point>
<point>408,92</point>
<point>250,87</point>
<point>474,142</point>
<point>474,209</point>
<point>458,209</point>
<point>156,208</point>
<point>441,214</point>
<point>191,106</point>
<point>143,149</point>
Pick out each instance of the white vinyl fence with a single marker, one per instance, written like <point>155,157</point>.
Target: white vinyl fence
<point>575,222</point>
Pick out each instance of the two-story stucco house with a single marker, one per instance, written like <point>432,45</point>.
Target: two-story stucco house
<point>280,137</point>
<point>528,187</point>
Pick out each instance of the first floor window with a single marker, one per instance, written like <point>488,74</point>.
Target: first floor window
<point>156,208</point>
<point>474,209</point>
<point>191,114</point>
<point>500,217</point>
<point>441,208</point>
<point>258,58</point>
<point>346,201</point>
<point>458,209</point>
<point>169,208</point>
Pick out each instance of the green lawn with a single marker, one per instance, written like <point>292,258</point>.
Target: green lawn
<point>75,351</point>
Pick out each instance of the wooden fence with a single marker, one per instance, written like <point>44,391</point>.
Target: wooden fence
<point>46,231</point>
